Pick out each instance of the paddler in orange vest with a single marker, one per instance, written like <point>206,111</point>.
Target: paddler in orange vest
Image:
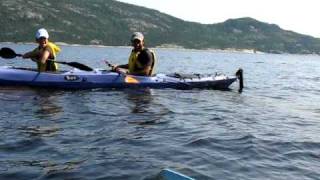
<point>141,60</point>
<point>45,54</point>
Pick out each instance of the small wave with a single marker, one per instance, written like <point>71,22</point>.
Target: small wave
<point>62,168</point>
<point>246,139</point>
<point>15,97</point>
<point>147,122</point>
<point>216,118</point>
<point>250,141</point>
<point>40,131</point>
<point>302,154</point>
<point>22,145</point>
<point>315,79</point>
<point>51,168</point>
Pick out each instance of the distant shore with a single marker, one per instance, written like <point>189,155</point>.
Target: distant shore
<point>166,46</point>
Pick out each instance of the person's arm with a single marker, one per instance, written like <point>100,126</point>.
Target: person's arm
<point>118,68</point>
<point>125,66</point>
<point>121,68</point>
<point>31,55</point>
<point>145,72</point>
<point>44,56</point>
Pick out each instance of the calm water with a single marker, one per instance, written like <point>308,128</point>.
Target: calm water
<point>270,131</point>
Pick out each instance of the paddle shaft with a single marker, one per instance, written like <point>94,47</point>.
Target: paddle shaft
<point>115,68</point>
<point>74,64</point>
<point>127,78</point>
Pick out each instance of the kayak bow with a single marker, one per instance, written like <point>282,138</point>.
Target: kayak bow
<point>169,174</point>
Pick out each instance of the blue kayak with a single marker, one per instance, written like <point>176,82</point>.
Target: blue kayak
<point>98,78</point>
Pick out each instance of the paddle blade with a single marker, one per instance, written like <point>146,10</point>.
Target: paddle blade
<point>79,66</point>
<point>8,53</point>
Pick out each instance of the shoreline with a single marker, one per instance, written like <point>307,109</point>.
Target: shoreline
<point>230,50</point>
<point>227,50</point>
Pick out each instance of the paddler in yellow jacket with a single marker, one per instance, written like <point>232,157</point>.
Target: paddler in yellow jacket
<point>45,54</point>
<point>141,60</point>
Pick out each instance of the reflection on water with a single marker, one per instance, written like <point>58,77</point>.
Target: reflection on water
<point>50,168</point>
<point>45,131</point>
<point>41,99</point>
<point>39,103</point>
<point>141,98</point>
<point>145,111</point>
<point>47,105</point>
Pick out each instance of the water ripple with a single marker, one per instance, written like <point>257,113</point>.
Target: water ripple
<point>22,145</point>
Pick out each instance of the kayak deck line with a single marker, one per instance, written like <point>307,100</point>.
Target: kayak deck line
<point>101,78</point>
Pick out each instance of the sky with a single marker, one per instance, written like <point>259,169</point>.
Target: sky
<point>301,16</point>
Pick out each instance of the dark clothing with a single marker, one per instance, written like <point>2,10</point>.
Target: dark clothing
<point>145,57</point>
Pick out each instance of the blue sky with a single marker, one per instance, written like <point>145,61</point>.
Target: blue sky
<point>301,16</point>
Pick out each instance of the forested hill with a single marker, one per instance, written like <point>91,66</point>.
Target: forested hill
<point>108,22</point>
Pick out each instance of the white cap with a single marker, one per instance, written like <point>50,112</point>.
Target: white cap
<point>42,33</point>
<point>137,35</point>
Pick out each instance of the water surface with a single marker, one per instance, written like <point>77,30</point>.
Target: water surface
<point>270,131</point>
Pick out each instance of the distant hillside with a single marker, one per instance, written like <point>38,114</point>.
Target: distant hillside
<point>108,22</point>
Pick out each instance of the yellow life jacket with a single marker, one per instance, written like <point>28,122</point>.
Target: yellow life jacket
<point>135,67</point>
<point>49,65</point>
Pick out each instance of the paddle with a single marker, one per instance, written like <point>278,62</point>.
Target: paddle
<point>239,75</point>
<point>75,65</point>
<point>8,53</point>
<point>127,78</point>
